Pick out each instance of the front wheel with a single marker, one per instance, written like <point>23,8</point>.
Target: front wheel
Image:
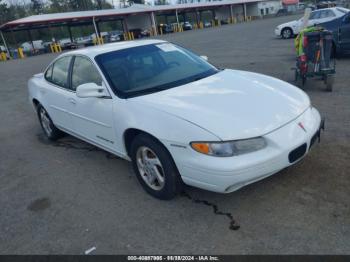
<point>155,168</point>
<point>286,33</point>
<point>329,81</point>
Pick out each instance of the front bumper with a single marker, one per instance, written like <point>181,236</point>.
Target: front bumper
<point>277,32</point>
<point>285,146</point>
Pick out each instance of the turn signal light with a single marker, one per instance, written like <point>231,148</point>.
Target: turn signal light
<point>201,147</point>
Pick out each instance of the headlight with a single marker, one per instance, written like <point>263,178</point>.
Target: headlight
<point>230,148</point>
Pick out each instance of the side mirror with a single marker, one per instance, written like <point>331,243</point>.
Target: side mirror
<point>204,57</point>
<point>91,90</point>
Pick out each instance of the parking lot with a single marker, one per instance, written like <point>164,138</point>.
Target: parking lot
<point>67,197</point>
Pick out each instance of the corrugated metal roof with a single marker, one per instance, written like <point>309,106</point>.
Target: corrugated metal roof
<point>134,9</point>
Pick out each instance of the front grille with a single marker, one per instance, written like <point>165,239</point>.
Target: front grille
<point>297,153</point>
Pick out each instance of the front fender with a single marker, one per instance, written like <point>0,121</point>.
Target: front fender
<point>167,128</point>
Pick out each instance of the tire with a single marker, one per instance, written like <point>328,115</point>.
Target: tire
<point>50,130</point>
<point>152,163</point>
<point>286,33</point>
<point>329,80</point>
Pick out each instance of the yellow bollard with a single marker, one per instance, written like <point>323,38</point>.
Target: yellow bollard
<point>20,53</point>
<point>55,48</point>
<point>59,47</point>
<point>4,56</point>
<point>51,48</point>
<point>161,30</point>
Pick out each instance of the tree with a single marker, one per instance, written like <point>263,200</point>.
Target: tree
<point>103,4</point>
<point>37,7</point>
<point>3,11</point>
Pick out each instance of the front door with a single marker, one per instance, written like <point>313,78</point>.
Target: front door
<point>344,34</point>
<point>92,117</point>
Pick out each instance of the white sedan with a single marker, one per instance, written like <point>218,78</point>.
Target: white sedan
<point>290,29</point>
<point>178,118</point>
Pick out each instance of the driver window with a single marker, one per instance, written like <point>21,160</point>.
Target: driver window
<point>84,72</point>
<point>326,13</point>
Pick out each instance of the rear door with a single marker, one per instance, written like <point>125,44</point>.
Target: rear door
<point>58,94</point>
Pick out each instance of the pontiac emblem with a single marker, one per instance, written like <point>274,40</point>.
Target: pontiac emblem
<point>302,126</point>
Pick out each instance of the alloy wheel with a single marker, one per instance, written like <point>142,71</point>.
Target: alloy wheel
<point>45,122</point>
<point>150,168</point>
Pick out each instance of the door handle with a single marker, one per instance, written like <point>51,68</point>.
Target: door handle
<point>72,101</point>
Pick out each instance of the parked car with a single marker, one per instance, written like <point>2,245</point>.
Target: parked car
<point>165,29</point>
<point>178,118</point>
<point>115,36</point>
<point>187,26</point>
<point>325,4</point>
<point>66,43</point>
<point>84,40</point>
<point>36,46</point>
<point>282,11</point>
<point>207,24</point>
<point>290,29</point>
<point>145,33</point>
<point>104,36</point>
<point>341,33</point>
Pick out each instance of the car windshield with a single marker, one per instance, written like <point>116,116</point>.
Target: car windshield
<point>343,10</point>
<point>151,68</point>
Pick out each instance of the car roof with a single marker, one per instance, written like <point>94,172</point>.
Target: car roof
<point>101,49</point>
<point>336,8</point>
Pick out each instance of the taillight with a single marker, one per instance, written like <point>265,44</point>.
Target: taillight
<point>303,64</point>
<point>303,58</point>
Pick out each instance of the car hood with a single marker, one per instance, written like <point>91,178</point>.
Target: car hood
<point>232,104</point>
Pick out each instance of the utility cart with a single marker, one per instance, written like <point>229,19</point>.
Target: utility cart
<point>314,56</point>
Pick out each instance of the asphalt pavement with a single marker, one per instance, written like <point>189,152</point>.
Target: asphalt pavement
<point>67,197</point>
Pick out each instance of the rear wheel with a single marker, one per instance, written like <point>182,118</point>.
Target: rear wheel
<point>50,130</point>
<point>155,168</point>
<point>286,33</point>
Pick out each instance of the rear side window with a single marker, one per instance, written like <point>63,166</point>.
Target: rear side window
<point>84,72</point>
<point>60,72</point>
